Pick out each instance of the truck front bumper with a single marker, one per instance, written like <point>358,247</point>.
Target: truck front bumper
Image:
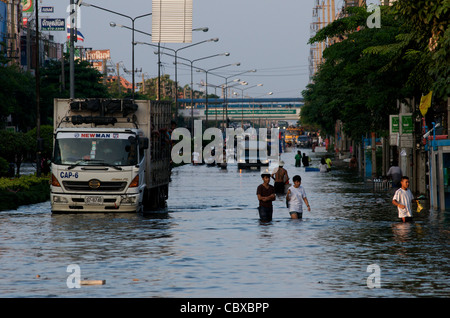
<point>72,203</point>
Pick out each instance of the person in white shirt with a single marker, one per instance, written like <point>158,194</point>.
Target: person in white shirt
<point>396,174</point>
<point>323,167</point>
<point>294,198</point>
<point>403,199</point>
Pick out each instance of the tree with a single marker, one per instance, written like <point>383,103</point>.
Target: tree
<point>17,93</point>
<point>423,41</point>
<point>353,86</point>
<point>88,84</point>
<point>15,146</point>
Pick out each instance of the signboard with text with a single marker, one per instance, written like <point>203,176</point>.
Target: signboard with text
<point>98,55</point>
<point>266,112</point>
<point>407,124</point>
<point>47,9</point>
<point>53,24</point>
<point>394,129</point>
<point>401,128</point>
<point>406,131</point>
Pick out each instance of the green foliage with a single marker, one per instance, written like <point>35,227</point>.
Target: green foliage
<point>22,191</point>
<point>424,40</point>
<point>88,84</point>
<point>15,146</point>
<point>46,133</point>
<point>4,167</point>
<point>88,81</point>
<point>350,85</point>
<point>17,93</point>
<point>342,27</point>
<point>370,69</point>
<point>21,183</point>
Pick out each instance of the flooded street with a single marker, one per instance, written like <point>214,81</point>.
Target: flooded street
<point>211,243</point>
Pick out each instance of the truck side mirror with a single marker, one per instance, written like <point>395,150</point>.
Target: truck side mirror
<point>143,143</point>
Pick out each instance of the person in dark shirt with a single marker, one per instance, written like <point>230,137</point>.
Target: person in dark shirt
<point>266,194</point>
<point>305,160</point>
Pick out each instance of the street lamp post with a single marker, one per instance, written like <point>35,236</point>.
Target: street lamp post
<point>192,80</point>
<point>176,57</point>
<point>242,99</point>
<point>206,78</point>
<point>113,24</point>
<point>132,35</point>
<point>226,93</point>
<point>269,93</point>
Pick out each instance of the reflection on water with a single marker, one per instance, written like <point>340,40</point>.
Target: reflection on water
<point>210,243</point>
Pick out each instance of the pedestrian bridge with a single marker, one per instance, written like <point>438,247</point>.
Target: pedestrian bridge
<point>241,109</point>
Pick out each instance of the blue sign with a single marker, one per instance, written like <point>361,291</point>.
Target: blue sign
<point>53,24</point>
<point>47,9</point>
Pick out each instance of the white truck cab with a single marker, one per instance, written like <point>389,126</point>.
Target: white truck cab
<point>97,169</point>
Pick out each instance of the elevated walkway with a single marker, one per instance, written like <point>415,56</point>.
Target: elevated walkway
<point>242,108</point>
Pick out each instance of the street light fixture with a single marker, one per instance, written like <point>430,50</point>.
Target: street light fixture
<point>226,90</point>
<point>206,79</point>
<point>192,80</point>
<point>132,33</point>
<point>176,63</point>
<point>204,29</point>
<point>242,99</point>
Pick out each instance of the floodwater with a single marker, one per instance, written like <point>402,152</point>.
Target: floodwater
<point>211,243</point>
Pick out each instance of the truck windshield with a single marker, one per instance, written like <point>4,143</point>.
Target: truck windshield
<point>74,148</point>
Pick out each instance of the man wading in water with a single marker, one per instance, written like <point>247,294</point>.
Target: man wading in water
<point>281,177</point>
<point>266,194</point>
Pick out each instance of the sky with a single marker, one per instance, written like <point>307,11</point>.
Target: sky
<point>267,35</point>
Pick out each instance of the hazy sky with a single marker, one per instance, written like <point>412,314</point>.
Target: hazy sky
<point>267,35</point>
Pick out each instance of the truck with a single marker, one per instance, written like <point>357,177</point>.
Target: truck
<point>110,155</point>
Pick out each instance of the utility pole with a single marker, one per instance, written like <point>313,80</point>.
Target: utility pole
<point>63,77</point>
<point>72,52</point>
<point>38,89</point>
<point>119,86</point>
<point>158,92</point>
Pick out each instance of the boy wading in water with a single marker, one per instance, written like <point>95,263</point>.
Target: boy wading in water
<point>295,196</point>
<point>402,199</point>
<point>266,194</point>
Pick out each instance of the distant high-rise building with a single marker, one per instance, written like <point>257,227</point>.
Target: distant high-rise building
<point>324,13</point>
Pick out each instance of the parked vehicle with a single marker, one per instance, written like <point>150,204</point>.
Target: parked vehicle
<point>291,135</point>
<point>304,141</point>
<point>110,155</point>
